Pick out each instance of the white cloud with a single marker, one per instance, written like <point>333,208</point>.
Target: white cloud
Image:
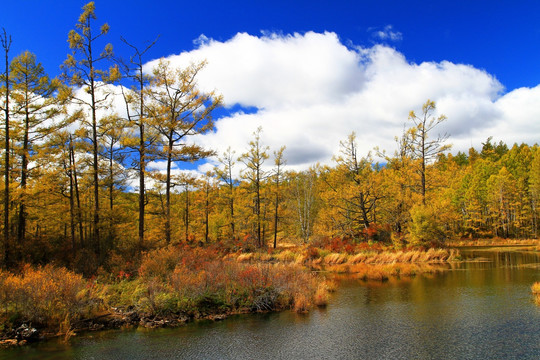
<point>159,165</point>
<point>521,116</point>
<point>276,71</point>
<point>311,91</point>
<point>387,33</point>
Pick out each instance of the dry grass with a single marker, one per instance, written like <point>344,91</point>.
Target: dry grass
<point>46,296</point>
<point>413,256</point>
<point>335,258</point>
<point>358,258</point>
<point>382,272</point>
<point>244,257</point>
<point>379,264</point>
<point>286,256</point>
<point>300,259</point>
<point>206,281</point>
<point>369,263</point>
<point>331,285</point>
<point>535,288</point>
<point>301,303</point>
<point>321,296</point>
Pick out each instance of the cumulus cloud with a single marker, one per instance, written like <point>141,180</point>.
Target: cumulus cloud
<point>310,91</point>
<point>274,71</point>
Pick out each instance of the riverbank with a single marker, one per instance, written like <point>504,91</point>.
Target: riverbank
<point>176,285</point>
<point>172,286</point>
<point>407,318</point>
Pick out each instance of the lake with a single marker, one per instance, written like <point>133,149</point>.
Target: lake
<point>474,310</point>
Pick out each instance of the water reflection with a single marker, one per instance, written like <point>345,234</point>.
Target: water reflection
<point>500,256</point>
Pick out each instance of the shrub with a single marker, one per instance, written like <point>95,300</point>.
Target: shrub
<point>47,296</point>
<point>321,296</point>
<point>425,227</point>
<point>160,263</point>
<point>301,303</point>
<point>286,256</point>
<point>312,253</point>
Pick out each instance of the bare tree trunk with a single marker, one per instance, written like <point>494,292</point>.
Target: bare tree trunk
<point>72,207</point>
<point>186,213</point>
<point>168,194</point>
<point>95,165</point>
<point>142,169</point>
<point>21,230</point>
<point>207,213</point>
<point>276,220</point>
<point>258,209</point>
<point>231,200</point>
<point>77,195</point>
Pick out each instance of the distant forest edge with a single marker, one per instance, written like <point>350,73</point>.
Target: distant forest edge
<point>67,161</point>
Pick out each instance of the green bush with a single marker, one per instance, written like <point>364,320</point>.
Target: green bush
<point>425,227</point>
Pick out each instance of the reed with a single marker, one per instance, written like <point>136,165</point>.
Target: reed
<point>335,258</point>
<point>244,257</point>
<point>320,298</point>
<point>301,303</point>
<point>286,256</point>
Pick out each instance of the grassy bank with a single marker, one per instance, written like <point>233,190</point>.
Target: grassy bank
<point>177,284</point>
<point>201,281</point>
<point>48,298</point>
<point>171,286</point>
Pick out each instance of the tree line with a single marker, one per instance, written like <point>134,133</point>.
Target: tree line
<point>68,162</point>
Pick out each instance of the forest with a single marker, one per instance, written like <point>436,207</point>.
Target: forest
<point>77,174</point>
<point>80,191</point>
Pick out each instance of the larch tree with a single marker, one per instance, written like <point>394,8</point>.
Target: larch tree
<point>37,106</point>
<point>111,135</point>
<point>304,186</point>
<point>206,186</point>
<point>255,175</point>
<point>502,193</point>
<point>399,179</point>
<point>188,183</point>
<point>6,88</point>
<point>81,69</point>
<point>534,189</point>
<point>142,138</point>
<point>225,175</point>
<point>180,111</point>
<point>355,188</point>
<point>423,148</point>
<point>61,155</point>
<point>279,162</point>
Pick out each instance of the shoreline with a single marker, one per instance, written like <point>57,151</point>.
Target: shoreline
<point>377,265</point>
<point>115,321</point>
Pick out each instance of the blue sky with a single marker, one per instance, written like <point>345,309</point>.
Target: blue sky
<point>361,50</point>
<point>502,37</point>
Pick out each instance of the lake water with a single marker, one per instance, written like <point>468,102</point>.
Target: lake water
<point>480,310</point>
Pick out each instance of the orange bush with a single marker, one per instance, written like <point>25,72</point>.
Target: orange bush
<point>301,303</point>
<point>160,263</point>
<point>321,296</point>
<point>46,295</point>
